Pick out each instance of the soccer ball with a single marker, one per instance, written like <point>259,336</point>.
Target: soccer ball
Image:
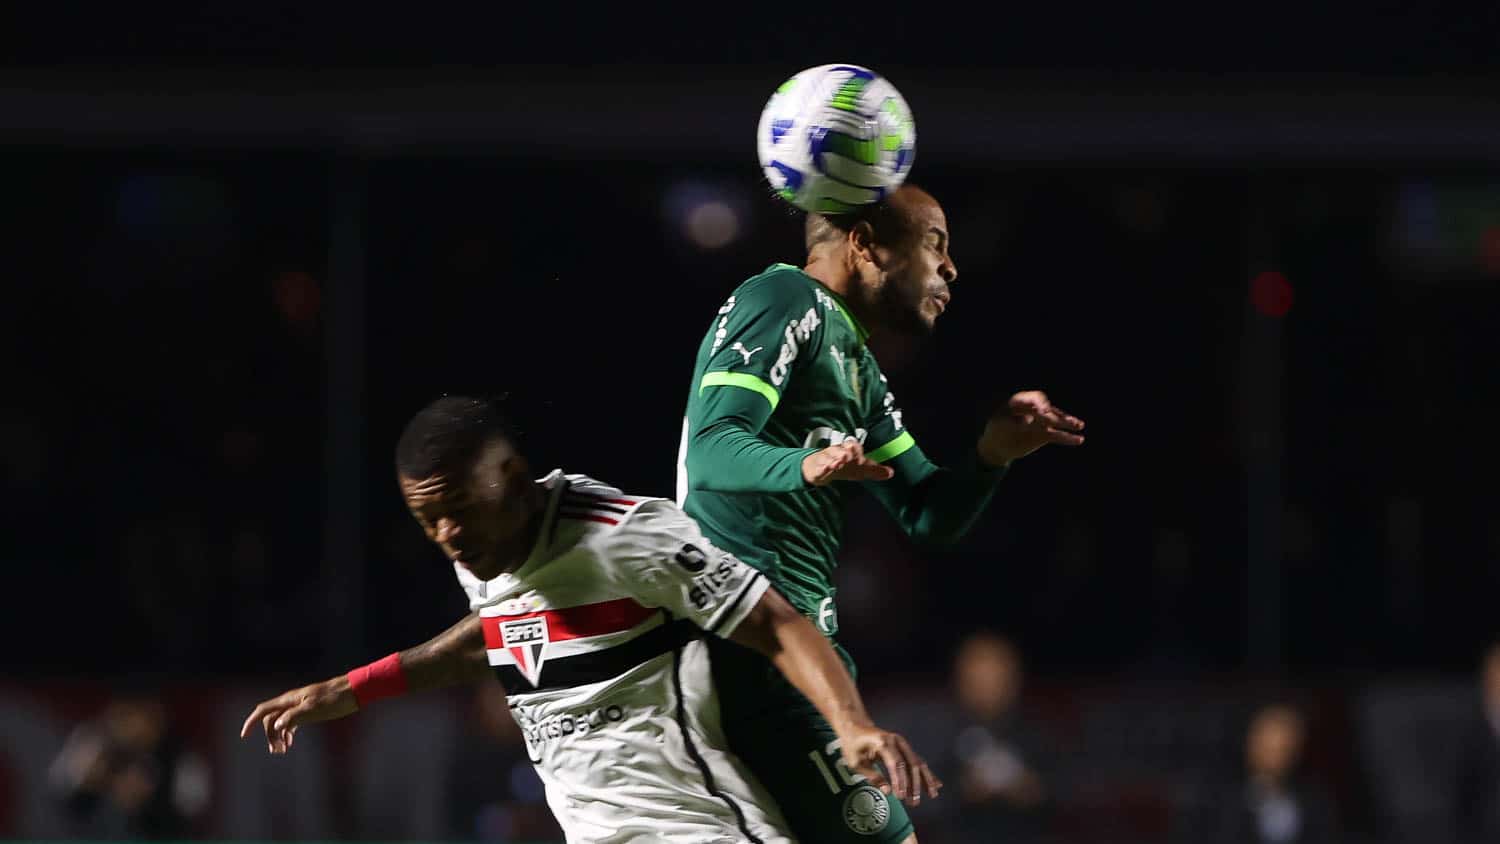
<point>835,138</point>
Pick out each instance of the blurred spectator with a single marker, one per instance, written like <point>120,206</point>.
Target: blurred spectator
<point>496,793</point>
<point>1272,804</point>
<point>1478,788</point>
<point>997,755</point>
<point>127,773</point>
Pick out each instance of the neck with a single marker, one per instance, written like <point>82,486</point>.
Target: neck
<point>832,273</point>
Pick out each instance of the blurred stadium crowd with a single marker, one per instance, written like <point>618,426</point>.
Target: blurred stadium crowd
<point>1023,762</point>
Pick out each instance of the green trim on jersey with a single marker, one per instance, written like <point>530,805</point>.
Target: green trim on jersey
<point>740,379</point>
<point>787,338</point>
<point>893,449</point>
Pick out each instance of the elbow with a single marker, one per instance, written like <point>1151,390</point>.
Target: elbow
<point>761,629</point>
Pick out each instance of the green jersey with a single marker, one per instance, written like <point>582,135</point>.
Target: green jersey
<point>783,372</point>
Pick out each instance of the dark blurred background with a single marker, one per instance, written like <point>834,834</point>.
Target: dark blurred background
<point>1257,249</point>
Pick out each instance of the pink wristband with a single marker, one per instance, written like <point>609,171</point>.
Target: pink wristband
<point>380,679</point>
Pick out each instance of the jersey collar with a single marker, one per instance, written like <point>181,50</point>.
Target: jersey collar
<point>838,301</point>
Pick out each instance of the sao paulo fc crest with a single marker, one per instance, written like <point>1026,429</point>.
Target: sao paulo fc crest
<point>526,640</point>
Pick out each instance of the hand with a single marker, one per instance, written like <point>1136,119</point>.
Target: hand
<point>906,774</point>
<point>281,715</point>
<point>843,462</point>
<point>1028,422</point>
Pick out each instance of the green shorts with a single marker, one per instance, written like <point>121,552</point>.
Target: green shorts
<point>794,753</point>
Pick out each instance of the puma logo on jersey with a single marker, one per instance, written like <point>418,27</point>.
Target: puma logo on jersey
<point>744,352</point>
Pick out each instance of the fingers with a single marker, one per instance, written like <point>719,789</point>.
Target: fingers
<point>293,717</point>
<point>911,769</point>
<point>820,466</point>
<point>857,467</point>
<point>273,742</point>
<point>1034,404</point>
<point>927,781</point>
<point>1062,421</point>
<point>1033,411</point>
<point>899,770</point>
<point>845,462</point>
<point>249,724</point>
<point>1063,437</point>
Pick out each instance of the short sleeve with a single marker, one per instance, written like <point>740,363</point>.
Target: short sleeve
<point>659,556</point>
<point>761,334</point>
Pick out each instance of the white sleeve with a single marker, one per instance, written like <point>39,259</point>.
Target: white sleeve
<point>660,558</point>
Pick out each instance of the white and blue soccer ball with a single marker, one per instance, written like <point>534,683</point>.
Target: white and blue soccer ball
<point>836,137</point>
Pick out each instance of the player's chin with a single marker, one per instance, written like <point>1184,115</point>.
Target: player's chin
<point>926,316</point>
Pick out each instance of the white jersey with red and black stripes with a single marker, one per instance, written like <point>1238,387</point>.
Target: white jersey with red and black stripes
<point>597,640</point>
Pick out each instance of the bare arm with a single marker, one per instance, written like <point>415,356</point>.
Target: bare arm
<point>803,655</point>
<point>454,656</point>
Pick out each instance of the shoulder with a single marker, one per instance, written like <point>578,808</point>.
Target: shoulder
<point>617,517</point>
<point>590,500</point>
<point>782,287</point>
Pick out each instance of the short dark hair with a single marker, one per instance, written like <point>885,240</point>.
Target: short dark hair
<point>886,220</point>
<point>448,433</point>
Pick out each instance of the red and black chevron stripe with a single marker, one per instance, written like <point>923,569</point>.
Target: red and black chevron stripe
<point>591,507</point>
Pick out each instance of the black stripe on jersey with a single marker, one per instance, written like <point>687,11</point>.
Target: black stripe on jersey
<point>734,605</point>
<point>692,749</point>
<point>580,670</point>
<point>599,495</point>
<point>574,511</point>
<point>590,504</point>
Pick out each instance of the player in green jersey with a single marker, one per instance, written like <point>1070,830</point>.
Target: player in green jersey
<point>787,415</point>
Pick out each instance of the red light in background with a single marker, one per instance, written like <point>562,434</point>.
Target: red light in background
<point>1271,294</point>
<point>1489,249</point>
<point>297,297</point>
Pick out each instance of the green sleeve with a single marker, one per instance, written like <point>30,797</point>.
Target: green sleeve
<point>726,454</point>
<point>934,505</point>
<point>767,333</point>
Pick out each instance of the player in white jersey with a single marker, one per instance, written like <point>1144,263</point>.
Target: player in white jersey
<point>590,606</point>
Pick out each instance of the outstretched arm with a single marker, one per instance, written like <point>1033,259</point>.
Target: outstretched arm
<point>662,559</point>
<point>938,505</point>
<point>803,655</point>
<point>454,656</point>
<point>727,454</point>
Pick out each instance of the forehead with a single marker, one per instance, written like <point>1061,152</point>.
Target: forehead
<point>481,469</point>
<point>926,214</point>
<point>919,214</point>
